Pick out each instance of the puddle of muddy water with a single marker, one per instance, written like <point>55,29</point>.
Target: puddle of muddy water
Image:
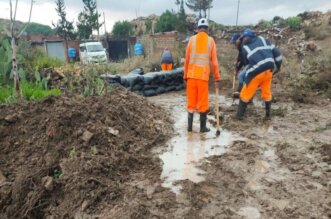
<point>187,151</point>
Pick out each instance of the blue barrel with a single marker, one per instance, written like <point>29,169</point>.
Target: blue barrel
<point>138,49</point>
<point>72,53</point>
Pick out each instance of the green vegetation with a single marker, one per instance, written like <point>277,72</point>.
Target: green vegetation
<point>265,24</point>
<point>35,28</point>
<point>199,6</point>
<point>31,91</point>
<point>5,61</point>
<point>294,22</point>
<point>64,27</point>
<point>94,150</point>
<point>88,19</point>
<point>122,29</point>
<point>72,152</point>
<point>167,22</point>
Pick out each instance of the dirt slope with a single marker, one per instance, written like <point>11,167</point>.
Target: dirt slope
<point>63,156</point>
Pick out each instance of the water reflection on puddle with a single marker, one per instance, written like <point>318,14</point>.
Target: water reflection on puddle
<point>187,151</point>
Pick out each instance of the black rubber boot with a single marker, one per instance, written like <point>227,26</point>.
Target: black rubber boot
<point>190,122</point>
<point>268,109</point>
<point>241,110</point>
<point>203,123</point>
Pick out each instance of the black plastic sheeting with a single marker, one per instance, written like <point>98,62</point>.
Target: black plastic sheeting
<point>149,84</point>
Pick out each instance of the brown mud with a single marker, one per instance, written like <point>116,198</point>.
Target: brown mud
<point>65,157</point>
<point>101,157</point>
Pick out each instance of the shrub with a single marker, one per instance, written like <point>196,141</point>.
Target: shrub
<point>5,60</point>
<point>265,24</point>
<point>294,22</point>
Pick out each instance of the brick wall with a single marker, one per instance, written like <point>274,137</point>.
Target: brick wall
<point>154,44</point>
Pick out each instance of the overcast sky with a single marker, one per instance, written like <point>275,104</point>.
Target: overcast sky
<point>223,11</point>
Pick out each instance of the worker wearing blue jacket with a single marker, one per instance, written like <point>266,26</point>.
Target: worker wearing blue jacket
<point>263,60</point>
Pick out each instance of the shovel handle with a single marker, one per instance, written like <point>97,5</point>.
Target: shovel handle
<point>233,82</point>
<point>217,111</point>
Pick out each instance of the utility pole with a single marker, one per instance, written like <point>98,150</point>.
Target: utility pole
<point>104,22</point>
<point>96,3</point>
<point>237,13</point>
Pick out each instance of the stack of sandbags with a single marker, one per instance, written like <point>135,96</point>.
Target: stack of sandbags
<point>149,84</point>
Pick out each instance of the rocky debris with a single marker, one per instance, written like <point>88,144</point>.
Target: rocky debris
<point>11,118</point>
<point>2,178</point>
<point>311,46</point>
<point>87,136</point>
<point>113,131</point>
<point>48,183</point>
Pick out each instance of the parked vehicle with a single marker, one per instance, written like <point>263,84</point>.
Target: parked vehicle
<point>92,52</point>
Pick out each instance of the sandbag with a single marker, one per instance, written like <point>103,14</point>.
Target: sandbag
<point>160,90</point>
<point>149,84</point>
<point>149,93</point>
<point>137,71</point>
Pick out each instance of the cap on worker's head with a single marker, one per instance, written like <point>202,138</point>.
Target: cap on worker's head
<point>247,32</point>
<point>234,37</point>
<point>203,22</point>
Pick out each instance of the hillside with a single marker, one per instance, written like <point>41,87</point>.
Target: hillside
<point>33,28</point>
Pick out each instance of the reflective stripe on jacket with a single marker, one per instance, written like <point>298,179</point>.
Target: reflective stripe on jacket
<point>260,56</point>
<point>201,57</point>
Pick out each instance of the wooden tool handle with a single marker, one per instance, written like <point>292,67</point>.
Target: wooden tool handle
<point>217,111</point>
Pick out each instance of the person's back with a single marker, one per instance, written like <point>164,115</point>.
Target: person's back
<point>259,56</point>
<point>166,60</point>
<point>200,59</point>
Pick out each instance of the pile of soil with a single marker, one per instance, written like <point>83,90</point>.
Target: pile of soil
<point>63,156</point>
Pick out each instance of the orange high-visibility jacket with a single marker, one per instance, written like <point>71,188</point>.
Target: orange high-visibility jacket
<point>201,57</point>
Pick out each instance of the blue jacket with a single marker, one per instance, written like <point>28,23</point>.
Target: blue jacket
<point>260,55</point>
<point>166,57</point>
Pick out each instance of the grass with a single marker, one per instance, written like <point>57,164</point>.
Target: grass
<point>31,91</point>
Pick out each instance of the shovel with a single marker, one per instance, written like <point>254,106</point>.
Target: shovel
<point>218,132</point>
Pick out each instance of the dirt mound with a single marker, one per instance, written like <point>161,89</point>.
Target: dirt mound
<point>63,156</point>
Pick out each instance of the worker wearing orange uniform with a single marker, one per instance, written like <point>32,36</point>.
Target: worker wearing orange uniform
<point>200,60</point>
<point>167,61</point>
<point>263,60</point>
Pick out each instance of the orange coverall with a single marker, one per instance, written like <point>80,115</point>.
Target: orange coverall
<point>263,81</point>
<point>199,59</point>
<point>166,67</point>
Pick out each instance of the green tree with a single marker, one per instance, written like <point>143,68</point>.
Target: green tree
<point>35,28</point>
<point>63,27</point>
<point>88,19</point>
<point>181,23</point>
<point>167,22</point>
<point>199,6</point>
<point>122,29</point>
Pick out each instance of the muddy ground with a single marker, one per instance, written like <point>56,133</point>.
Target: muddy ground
<point>274,169</point>
<point>63,158</point>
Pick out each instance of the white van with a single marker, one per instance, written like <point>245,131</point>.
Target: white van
<point>92,52</point>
